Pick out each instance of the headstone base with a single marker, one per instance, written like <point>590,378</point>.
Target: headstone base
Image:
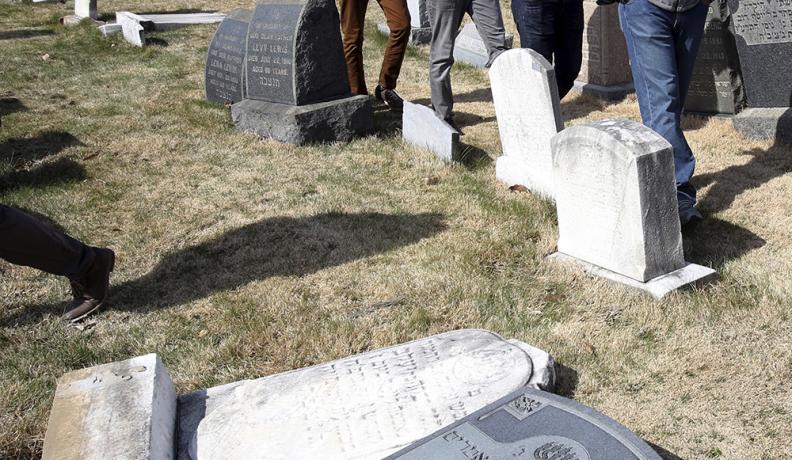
<point>689,275</point>
<point>515,171</point>
<point>612,93</point>
<point>422,128</point>
<point>765,123</point>
<point>339,120</point>
<point>418,35</point>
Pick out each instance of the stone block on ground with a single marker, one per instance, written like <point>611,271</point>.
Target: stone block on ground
<point>365,406</point>
<point>421,127</point>
<point>122,410</point>
<point>85,8</point>
<point>765,123</point>
<point>531,424</point>
<point>470,49</point>
<point>525,95</point>
<point>337,120</point>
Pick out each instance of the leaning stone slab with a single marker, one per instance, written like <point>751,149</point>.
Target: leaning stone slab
<point>616,200</point>
<point>531,424</point>
<point>525,94</point>
<point>125,409</point>
<point>422,128</point>
<point>337,120</point>
<point>470,49</point>
<point>365,406</point>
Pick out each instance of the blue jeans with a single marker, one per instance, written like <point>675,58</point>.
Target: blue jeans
<point>554,29</point>
<point>662,46</point>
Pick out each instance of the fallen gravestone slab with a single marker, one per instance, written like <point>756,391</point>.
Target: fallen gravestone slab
<point>525,94</point>
<point>617,207</point>
<point>363,407</point>
<point>420,27</point>
<point>470,49</point>
<point>297,87</point>
<point>225,60</point>
<point>422,128</point>
<point>125,409</point>
<point>133,26</point>
<point>531,424</point>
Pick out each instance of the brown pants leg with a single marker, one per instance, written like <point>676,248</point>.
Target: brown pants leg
<point>353,14</point>
<point>398,17</point>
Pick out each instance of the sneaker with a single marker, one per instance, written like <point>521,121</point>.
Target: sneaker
<point>390,98</point>
<point>90,291</point>
<point>688,214</point>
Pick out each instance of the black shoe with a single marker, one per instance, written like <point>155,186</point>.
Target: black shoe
<point>91,289</point>
<point>688,214</point>
<point>390,98</point>
<point>452,124</point>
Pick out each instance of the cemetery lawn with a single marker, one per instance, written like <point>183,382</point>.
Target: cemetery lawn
<point>240,257</point>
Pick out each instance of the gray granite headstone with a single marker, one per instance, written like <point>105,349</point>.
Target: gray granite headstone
<point>764,43</point>
<point>716,84</point>
<point>422,128</point>
<point>295,55</point>
<point>225,61</point>
<point>531,425</point>
<point>470,49</point>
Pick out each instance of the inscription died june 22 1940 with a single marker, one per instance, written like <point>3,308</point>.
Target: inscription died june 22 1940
<point>764,22</point>
<point>225,61</point>
<point>271,52</point>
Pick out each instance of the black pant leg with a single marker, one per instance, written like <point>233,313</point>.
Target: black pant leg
<point>535,20</point>
<point>569,45</point>
<point>24,240</point>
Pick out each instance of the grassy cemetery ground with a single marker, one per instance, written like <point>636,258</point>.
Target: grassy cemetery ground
<point>240,257</point>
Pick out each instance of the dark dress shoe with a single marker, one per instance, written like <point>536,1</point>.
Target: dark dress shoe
<point>390,98</point>
<point>91,289</point>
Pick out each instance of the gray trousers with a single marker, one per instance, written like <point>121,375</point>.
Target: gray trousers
<point>446,17</point>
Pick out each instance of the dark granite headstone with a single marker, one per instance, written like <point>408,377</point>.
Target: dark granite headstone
<point>225,61</point>
<point>531,424</point>
<point>716,84</point>
<point>295,55</point>
<point>764,43</point>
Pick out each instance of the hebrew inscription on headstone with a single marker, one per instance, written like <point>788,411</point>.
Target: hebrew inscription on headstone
<point>225,61</point>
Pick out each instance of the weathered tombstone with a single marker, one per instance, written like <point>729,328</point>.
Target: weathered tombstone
<point>531,424</point>
<point>125,409</point>
<point>225,60</point>
<point>422,128</point>
<point>617,209</point>
<point>716,84</point>
<point>85,9</point>
<point>364,406</point>
<point>470,49</point>
<point>605,70</point>
<point>764,44</point>
<point>297,87</point>
<point>525,95</point>
<point>134,26</point>
<point>421,28</point>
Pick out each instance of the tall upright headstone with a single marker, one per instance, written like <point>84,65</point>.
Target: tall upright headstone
<point>764,43</point>
<point>605,70</point>
<point>525,95</point>
<point>617,207</point>
<point>297,87</point>
<point>85,9</point>
<point>420,26</point>
<point>225,60</point>
<point>716,84</point>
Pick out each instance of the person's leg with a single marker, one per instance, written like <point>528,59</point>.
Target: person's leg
<point>24,240</point>
<point>488,18</point>
<point>446,18</point>
<point>398,17</point>
<point>688,32</point>
<point>535,20</point>
<point>353,14</point>
<point>569,44</point>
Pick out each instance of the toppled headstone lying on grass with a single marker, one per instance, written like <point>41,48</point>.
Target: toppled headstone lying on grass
<point>617,207</point>
<point>525,94</point>
<point>470,49</point>
<point>422,128</point>
<point>225,60</point>
<point>531,424</point>
<point>134,26</point>
<point>297,86</point>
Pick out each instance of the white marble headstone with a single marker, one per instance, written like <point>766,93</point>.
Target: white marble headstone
<point>616,199</point>
<point>525,95</point>
<point>362,407</point>
<point>85,9</point>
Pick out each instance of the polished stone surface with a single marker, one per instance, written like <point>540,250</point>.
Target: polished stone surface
<point>225,60</point>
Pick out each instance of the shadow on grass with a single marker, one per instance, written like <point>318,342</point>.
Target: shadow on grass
<point>473,158</point>
<point>566,381</point>
<point>21,162</point>
<point>24,33</point>
<point>713,242</point>
<point>36,148</point>
<point>663,453</point>
<point>61,171</point>
<point>9,105</point>
<point>281,246</point>
<point>386,122</point>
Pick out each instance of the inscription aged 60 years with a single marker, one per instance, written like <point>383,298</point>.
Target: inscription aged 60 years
<point>225,61</point>
<point>763,22</point>
<point>270,62</point>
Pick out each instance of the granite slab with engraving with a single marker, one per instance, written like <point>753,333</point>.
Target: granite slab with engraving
<point>716,84</point>
<point>470,49</point>
<point>365,406</point>
<point>525,94</point>
<point>763,30</point>
<point>225,60</point>
<point>617,206</point>
<point>535,425</point>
